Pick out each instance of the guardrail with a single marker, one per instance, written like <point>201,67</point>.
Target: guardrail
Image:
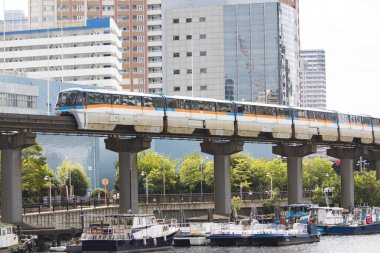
<point>44,205</point>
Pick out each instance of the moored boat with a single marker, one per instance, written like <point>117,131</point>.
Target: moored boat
<point>194,235</point>
<point>126,233</point>
<point>326,217</point>
<point>364,220</point>
<point>300,233</point>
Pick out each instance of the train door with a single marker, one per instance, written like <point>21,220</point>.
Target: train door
<point>246,120</point>
<point>301,124</point>
<point>177,115</point>
<point>345,131</point>
<point>367,133</point>
<point>376,129</point>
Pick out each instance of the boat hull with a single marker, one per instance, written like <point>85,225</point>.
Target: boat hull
<point>223,240</point>
<point>281,240</point>
<point>130,245</point>
<point>373,228</point>
<point>187,241</point>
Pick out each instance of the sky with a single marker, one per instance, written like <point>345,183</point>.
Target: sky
<point>348,30</point>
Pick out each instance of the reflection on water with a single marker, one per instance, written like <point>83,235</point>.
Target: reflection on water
<point>328,244</point>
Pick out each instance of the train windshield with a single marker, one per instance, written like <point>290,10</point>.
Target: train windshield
<point>70,98</point>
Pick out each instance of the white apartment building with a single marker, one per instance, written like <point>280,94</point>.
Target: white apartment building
<point>42,13</point>
<point>313,79</point>
<point>154,22</point>
<point>88,55</point>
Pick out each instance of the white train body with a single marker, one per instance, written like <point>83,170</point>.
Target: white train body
<point>148,113</point>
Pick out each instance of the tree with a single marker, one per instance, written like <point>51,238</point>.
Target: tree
<point>34,171</point>
<point>190,171</point>
<point>73,171</point>
<point>316,171</point>
<point>240,171</point>
<point>367,188</point>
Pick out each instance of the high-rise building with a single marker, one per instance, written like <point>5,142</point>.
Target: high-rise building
<point>313,79</point>
<point>14,20</point>
<point>236,50</point>
<point>130,16</point>
<point>88,55</point>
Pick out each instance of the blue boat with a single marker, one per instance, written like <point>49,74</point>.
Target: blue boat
<point>364,220</point>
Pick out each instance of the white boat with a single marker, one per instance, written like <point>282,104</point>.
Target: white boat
<point>9,242</point>
<point>325,216</point>
<point>125,233</point>
<point>193,235</point>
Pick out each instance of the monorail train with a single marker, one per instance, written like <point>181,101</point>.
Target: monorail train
<point>151,113</point>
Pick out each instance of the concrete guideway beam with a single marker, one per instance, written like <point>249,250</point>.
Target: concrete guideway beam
<point>222,172</point>
<point>294,156</point>
<point>128,175</point>
<point>11,173</point>
<point>374,155</point>
<point>346,156</point>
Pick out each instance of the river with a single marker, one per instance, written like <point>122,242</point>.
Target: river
<point>328,244</point>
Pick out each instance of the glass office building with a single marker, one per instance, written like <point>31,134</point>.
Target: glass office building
<point>247,51</point>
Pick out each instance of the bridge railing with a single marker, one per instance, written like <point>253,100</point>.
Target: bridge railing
<point>57,204</point>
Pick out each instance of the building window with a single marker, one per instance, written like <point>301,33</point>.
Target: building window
<point>188,37</point>
<point>203,53</point>
<point>189,54</point>
<point>202,36</point>
<point>203,70</point>
<point>175,20</point>
<point>176,54</point>
<point>177,88</point>
<point>189,88</point>
<point>176,37</point>
<point>202,19</point>
<point>177,72</point>
<point>188,20</point>
<point>189,71</point>
<point>203,87</point>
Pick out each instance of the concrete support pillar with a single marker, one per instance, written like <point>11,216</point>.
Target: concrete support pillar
<point>128,174</point>
<point>294,156</point>
<point>11,190</point>
<point>222,172</point>
<point>374,155</point>
<point>347,156</point>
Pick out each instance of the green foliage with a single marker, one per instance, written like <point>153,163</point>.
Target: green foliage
<point>34,171</point>
<point>316,172</point>
<point>318,197</point>
<point>190,174</point>
<point>98,192</point>
<point>270,205</point>
<point>74,171</point>
<point>367,188</point>
<point>235,203</point>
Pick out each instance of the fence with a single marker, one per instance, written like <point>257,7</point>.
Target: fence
<point>57,203</point>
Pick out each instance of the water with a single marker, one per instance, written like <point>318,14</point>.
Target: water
<point>328,244</point>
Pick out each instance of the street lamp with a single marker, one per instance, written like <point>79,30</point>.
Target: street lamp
<point>271,184</point>
<point>144,174</point>
<point>47,178</point>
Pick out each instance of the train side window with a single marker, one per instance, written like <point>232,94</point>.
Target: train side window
<point>138,101</point>
<point>170,103</point>
<point>95,98</point>
<point>343,118</point>
<point>116,99</point>
<point>375,121</point>
<point>70,100</point>
<point>157,102</point>
<point>79,99</point>
<point>330,116</point>
<point>148,101</point>
<point>284,112</point>
<point>224,107</point>
<point>262,110</point>
<point>107,98</point>
<point>355,119</point>
<point>299,113</point>
<point>366,121</point>
<point>315,115</point>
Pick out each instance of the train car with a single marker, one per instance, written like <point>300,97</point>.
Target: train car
<point>254,120</point>
<point>106,110</point>
<point>355,128</point>
<point>315,124</point>
<point>376,130</point>
<point>186,115</point>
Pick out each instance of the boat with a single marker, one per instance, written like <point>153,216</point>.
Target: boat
<point>231,234</point>
<point>10,242</point>
<point>195,234</point>
<point>299,233</point>
<point>125,233</point>
<point>326,217</point>
<point>362,221</point>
